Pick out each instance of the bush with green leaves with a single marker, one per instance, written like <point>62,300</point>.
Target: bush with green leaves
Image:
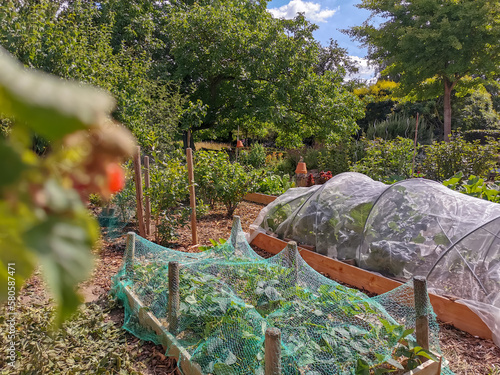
<point>220,181</point>
<point>401,125</point>
<point>474,186</point>
<point>169,192</point>
<point>387,160</point>
<point>255,157</point>
<point>443,160</point>
<point>340,154</point>
<point>273,184</point>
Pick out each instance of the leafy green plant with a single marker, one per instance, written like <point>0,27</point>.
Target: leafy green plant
<point>220,181</point>
<point>340,154</point>
<point>406,355</point>
<point>273,184</point>
<point>442,160</point>
<point>474,186</point>
<point>385,159</point>
<point>256,157</point>
<point>169,190</point>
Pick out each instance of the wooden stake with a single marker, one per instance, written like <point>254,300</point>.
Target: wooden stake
<point>129,256</point>
<point>189,157</point>
<point>147,200</point>
<point>421,304</point>
<point>138,191</point>
<point>291,252</point>
<point>235,229</point>
<point>173,296</point>
<point>272,347</point>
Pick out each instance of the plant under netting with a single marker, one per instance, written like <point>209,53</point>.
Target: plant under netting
<point>229,296</point>
<point>414,227</point>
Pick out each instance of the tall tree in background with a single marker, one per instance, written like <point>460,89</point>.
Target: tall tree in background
<point>246,67</point>
<point>431,45</point>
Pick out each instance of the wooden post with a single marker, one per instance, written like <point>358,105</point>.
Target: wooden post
<point>421,304</point>
<point>291,253</point>
<point>192,196</point>
<point>138,191</point>
<point>272,347</point>
<point>129,256</point>
<point>235,229</point>
<point>147,200</point>
<point>173,296</point>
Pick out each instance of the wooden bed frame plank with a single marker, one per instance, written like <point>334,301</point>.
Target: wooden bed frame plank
<point>168,341</point>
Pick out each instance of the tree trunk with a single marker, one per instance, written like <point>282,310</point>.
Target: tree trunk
<point>448,87</point>
<point>187,140</point>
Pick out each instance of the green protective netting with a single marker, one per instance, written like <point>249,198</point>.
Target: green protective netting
<point>229,296</point>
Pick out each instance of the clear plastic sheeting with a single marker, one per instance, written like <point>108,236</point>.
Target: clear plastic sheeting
<point>413,227</point>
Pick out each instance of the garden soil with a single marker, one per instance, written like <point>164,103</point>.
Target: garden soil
<point>467,354</point>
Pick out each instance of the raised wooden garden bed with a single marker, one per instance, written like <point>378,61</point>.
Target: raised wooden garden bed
<point>260,198</point>
<point>447,310</point>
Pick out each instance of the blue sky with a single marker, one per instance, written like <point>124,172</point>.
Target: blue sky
<point>330,16</point>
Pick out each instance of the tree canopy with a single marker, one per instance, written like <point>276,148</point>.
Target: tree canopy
<point>253,70</point>
<point>428,45</point>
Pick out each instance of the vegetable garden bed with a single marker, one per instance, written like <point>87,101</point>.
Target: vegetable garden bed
<point>228,297</point>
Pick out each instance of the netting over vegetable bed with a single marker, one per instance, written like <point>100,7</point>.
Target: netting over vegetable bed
<point>229,296</point>
<point>413,227</point>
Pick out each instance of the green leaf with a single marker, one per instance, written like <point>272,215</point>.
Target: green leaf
<point>11,164</point>
<point>49,106</point>
<point>63,247</point>
<point>362,367</point>
<point>395,363</point>
<point>191,299</point>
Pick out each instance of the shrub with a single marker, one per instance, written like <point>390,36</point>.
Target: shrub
<point>474,186</point>
<point>168,193</point>
<point>481,135</point>
<point>400,125</point>
<point>443,160</point>
<point>255,157</point>
<point>387,160</point>
<point>273,184</point>
<point>339,155</point>
<point>220,181</point>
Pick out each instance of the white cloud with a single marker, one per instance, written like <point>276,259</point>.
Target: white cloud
<point>312,11</point>
<point>365,72</point>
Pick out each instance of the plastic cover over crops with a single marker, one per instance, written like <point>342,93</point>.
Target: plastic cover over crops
<point>229,296</point>
<point>413,227</point>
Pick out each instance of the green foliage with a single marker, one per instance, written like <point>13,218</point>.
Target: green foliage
<point>220,181</point>
<point>475,111</point>
<point>42,217</point>
<point>443,160</point>
<point>88,343</point>
<point>474,186</point>
<point>273,184</point>
<point>168,192</point>
<point>257,72</point>
<point>387,160</point>
<point>340,154</point>
<point>256,157</point>
<point>77,42</point>
<point>481,135</point>
<point>399,125</point>
<point>431,45</point>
